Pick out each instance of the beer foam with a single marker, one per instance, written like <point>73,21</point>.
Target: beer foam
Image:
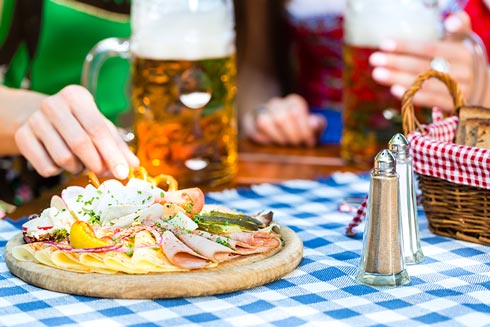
<point>370,22</point>
<point>190,36</point>
<point>302,9</point>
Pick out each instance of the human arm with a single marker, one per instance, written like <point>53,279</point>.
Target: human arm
<point>16,105</point>
<point>65,131</point>
<point>265,116</point>
<point>399,62</point>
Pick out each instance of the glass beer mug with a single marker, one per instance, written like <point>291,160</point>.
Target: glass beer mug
<point>371,115</point>
<point>183,86</point>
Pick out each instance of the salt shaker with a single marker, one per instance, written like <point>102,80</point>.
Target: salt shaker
<point>382,262</point>
<point>412,251</point>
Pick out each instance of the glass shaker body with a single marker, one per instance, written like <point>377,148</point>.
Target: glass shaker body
<point>412,250</point>
<point>382,262</point>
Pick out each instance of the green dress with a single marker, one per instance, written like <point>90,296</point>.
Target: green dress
<point>43,44</point>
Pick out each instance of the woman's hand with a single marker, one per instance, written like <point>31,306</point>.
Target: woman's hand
<point>399,62</point>
<point>68,132</point>
<point>284,121</point>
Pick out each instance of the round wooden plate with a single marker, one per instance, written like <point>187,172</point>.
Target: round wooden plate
<point>239,274</point>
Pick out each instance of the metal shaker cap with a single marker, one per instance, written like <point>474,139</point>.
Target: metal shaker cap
<point>384,163</point>
<point>399,146</point>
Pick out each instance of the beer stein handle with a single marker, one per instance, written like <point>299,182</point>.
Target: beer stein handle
<point>94,60</point>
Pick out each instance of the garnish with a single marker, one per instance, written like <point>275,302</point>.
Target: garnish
<point>82,236</point>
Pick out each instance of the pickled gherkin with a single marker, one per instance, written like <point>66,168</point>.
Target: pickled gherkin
<point>224,222</point>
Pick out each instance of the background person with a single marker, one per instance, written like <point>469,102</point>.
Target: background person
<point>293,106</point>
<point>56,125</point>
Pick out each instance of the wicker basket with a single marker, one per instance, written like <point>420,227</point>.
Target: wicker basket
<point>453,209</point>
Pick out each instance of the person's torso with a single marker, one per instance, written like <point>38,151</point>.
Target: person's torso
<point>46,43</point>
<point>315,28</point>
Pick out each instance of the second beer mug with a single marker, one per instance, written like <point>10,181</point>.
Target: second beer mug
<point>371,113</point>
<point>183,87</point>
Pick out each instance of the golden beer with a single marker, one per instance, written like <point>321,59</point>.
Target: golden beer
<point>185,119</point>
<point>182,88</point>
<point>371,115</point>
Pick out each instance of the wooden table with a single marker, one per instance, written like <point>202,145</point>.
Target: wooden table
<point>256,164</point>
<point>271,164</point>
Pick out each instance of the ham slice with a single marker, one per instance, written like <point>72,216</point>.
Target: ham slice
<point>255,242</point>
<point>254,239</point>
<point>245,242</point>
<point>180,254</point>
<point>210,249</point>
<point>218,238</point>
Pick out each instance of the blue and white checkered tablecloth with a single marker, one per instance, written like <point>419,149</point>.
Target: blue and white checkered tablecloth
<point>451,288</point>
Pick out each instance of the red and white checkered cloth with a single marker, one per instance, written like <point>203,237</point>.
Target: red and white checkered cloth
<point>357,219</point>
<point>434,154</point>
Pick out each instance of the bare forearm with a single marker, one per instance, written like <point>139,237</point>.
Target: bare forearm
<point>15,107</point>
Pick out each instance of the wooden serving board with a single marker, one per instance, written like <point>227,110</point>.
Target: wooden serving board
<point>237,274</point>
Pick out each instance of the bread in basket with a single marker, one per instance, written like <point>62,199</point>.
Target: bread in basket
<point>454,179</point>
